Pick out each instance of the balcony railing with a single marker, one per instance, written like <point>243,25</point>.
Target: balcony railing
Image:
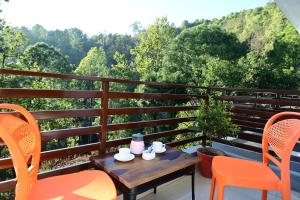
<point>251,108</point>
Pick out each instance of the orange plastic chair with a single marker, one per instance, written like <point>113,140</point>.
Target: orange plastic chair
<point>281,137</point>
<point>22,138</point>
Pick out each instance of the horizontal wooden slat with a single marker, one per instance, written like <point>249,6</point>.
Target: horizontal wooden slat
<point>254,112</point>
<point>7,185</point>
<point>249,118</point>
<point>152,136</point>
<point>57,153</point>
<point>132,95</point>
<point>66,170</point>
<point>247,128</point>
<point>34,93</point>
<point>124,111</point>
<point>62,133</point>
<point>10,184</point>
<point>255,90</point>
<point>186,141</point>
<point>250,147</point>
<point>250,137</point>
<point>92,78</point>
<point>57,114</point>
<point>249,123</point>
<point>141,124</point>
<point>248,99</point>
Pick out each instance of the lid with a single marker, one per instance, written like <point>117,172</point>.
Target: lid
<point>137,137</point>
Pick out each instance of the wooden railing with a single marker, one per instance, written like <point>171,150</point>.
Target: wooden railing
<point>251,108</point>
<point>104,112</point>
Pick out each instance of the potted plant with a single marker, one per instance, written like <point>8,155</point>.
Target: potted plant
<point>214,120</point>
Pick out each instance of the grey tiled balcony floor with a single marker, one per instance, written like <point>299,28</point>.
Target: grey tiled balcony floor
<point>180,189</point>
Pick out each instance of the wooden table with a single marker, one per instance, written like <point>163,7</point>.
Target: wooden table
<point>137,176</point>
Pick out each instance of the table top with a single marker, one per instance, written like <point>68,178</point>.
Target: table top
<point>139,171</point>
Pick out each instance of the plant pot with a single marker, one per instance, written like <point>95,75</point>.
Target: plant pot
<point>205,156</point>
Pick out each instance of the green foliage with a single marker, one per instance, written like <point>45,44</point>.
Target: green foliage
<point>93,64</point>
<point>214,120</point>
<point>46,58</point>
<point>12,42</point>
<point>152,47</point>
<point>198,50</point>
<point>259,27</point>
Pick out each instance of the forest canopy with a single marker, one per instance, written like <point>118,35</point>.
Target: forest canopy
<point>256,48</point>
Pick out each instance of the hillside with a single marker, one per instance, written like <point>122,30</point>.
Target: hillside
<point>259,26</point>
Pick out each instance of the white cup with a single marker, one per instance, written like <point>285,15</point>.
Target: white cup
<point>124,152</point>
<point>148,155</point>
<point>158,145</point>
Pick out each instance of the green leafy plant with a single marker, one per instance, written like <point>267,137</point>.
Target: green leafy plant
<point>215,120</point>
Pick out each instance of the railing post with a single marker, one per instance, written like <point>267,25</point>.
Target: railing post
<point>104,116</point>
<point>204,138</point>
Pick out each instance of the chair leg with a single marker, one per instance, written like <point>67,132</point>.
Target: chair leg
<point>212,188</point>
<point>286,194</point>
<point>264,195</point>
<point>220,191</point>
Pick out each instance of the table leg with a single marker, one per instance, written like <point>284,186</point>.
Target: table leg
<point>154,190</point>
<point>193,184</point>
<point>130,195</point>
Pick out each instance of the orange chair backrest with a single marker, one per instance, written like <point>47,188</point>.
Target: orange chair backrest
<point>281,136</point>
<point>22,138</point>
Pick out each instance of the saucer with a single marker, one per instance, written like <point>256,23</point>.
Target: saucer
<point>160,150</point>
<point>118,157</point>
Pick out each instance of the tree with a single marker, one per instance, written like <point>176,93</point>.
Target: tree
<point>194,48</point>
<point>93,64</point>
<point>46,58</point>
<point>153,45</point>
<point>112,43</point>
<point>12,42</point>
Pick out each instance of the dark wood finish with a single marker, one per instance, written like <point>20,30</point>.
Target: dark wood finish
<point>126,111</point>
<point>63,133</point>
<point>67,170</point>
<point>57,153</point>
<point>152,136</point>
<point>34,93</point>
<point>247,99</point>
<point>254,112</point>
<point>249,123</point>
<point>132,95</point>
<point>92,78</point>
<point>104,117</point>
<point>58,114</point>
<point>131,125</point>
<point>7,185</point>
<point>127,172</point>
<point>255,90</point>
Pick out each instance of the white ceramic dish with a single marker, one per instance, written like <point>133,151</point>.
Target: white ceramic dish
<point>118,157</point>
<point>148,156</point>
<point>162,150</point>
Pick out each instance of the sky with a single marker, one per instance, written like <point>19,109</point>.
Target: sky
<point>115,16</point>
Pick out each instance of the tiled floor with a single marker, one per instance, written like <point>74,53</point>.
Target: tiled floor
<point>180,189</point>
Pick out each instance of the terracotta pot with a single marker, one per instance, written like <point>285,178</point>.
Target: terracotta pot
<point>205,156</point>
